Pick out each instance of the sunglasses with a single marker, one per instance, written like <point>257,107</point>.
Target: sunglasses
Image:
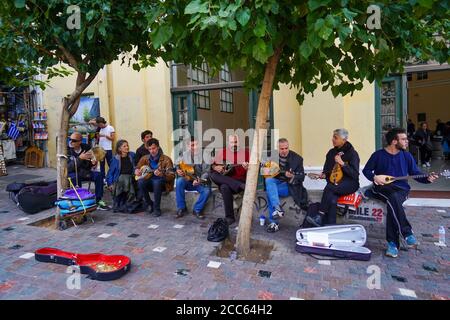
<point>74,140</point>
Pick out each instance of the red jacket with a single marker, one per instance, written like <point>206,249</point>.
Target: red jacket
<point>226,156</point>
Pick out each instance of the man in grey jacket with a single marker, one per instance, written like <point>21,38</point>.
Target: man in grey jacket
<point>193,175</point>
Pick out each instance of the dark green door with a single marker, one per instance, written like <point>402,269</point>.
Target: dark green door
<point>388,108</point>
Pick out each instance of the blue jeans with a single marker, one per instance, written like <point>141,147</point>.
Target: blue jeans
<point>184,185</point>
<point>108,158</point>
<point>155,185</point>
<point>275,189</point>
<point>96,177</point>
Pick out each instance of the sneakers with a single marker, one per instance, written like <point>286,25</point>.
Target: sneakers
<point>428,164</point>
<point>181,213</point>
<point>273,227</point>
<point>230,220</point>
<point>392,250</point>
<point>101,205</point>
<point>315,221</point>
<point>278,213</point>
<point>411,241</point>
<point>198,215</point>
<point>424,165</point>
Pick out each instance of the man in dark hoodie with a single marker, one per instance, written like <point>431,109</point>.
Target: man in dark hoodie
<point>341,157</point>
<point>288,183</point>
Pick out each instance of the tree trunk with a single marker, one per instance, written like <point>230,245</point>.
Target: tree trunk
<point>69,107</point>
<point>61,149</point>
<point>245,223</point>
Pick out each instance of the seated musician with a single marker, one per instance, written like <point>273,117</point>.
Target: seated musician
<point>394,161</point>
<point>289,182</point>
<point>196,180</point>
<point>80,167</point>
<point>341,170</point>
<point>160,178</point>
<point>230,181</point>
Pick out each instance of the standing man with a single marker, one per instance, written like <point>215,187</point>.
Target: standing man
<point>80,167</point>
<point>394,161</point>
<point>288,183</point>
<point>229,172</point>
<point>106,138</point>
<point>341,170</point>
<point>142,150</point>
<point>423,138</point>
<point>198,181</point>
<point>161,179</point>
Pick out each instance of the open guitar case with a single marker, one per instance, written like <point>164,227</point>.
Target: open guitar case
<point>341,242</point>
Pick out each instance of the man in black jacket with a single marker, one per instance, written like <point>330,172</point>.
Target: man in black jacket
<point>342,159</point>
<point>288,183</point>
<point>79,167</point>
<point>142,150</point>
<point>423,138</point>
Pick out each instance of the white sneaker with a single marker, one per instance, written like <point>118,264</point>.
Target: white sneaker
<point>428,164</point>
<point>424,165</point>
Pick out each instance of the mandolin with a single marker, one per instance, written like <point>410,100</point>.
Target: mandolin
<point>147,172</point>
<point>389,179</point>
<point>98,266</point>
<point>189,172</point>
<point>227,168</point>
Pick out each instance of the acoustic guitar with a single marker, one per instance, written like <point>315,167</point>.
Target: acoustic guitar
<point>189,172</point>
<point>98,266</point>
<point>147,172</point>
<point>390,179</point>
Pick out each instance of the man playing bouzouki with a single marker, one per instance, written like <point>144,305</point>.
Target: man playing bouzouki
<point>341,170</point>
<point>394,161</point>
<point>234,181</point>
<point>161,177</point>
<point>193,175</point>
<point>289,182</point>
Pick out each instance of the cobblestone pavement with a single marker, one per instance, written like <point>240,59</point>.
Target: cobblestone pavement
<point>415,274</point>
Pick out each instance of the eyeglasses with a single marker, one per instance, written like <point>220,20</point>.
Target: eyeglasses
<point>75,140</point>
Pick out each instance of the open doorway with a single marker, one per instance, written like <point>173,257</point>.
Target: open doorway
<point>428,106</point>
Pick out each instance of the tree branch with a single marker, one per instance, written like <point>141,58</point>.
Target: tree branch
<point>81,86</point>
<point>70,58</point>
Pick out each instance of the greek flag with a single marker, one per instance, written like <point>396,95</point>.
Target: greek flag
<point>13,131</point>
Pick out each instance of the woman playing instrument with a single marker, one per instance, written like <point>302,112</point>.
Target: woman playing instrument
<point>341,170</point>
<point>120,176</point>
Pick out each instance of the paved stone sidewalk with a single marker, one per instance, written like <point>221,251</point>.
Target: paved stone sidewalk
<point>154,274</point>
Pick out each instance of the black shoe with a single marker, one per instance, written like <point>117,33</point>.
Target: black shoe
<point>198,215</point>
<point>157,213</point>
<point>230,220</point>
<point>316,221</point>
<point>149,208</point>
<point>181,213</point>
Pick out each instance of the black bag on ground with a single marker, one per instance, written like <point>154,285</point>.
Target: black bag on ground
<point>134,206</point>
<point>35,198</point>
<point>313,210</point>
<point>218,231</point>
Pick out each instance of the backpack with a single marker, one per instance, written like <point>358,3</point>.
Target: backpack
<point>218,231</point>
<point>313,210</point>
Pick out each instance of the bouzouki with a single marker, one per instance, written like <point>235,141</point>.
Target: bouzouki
<point>190,175</point>
<point>389,179</point>
<point>271,169</point>
<point>227,168</point>
<point>147,172</point>
<point>98,266</point>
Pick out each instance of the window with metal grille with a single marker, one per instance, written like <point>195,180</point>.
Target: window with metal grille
<point>200,75</point>
<point>226,95</point>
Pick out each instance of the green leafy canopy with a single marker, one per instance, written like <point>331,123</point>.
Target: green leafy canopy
<point>324,43</point>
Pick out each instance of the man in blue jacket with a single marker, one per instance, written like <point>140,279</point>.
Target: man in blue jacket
<point>394,161</point>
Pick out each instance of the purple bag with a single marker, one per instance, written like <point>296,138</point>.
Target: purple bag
<point>83,193</point>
